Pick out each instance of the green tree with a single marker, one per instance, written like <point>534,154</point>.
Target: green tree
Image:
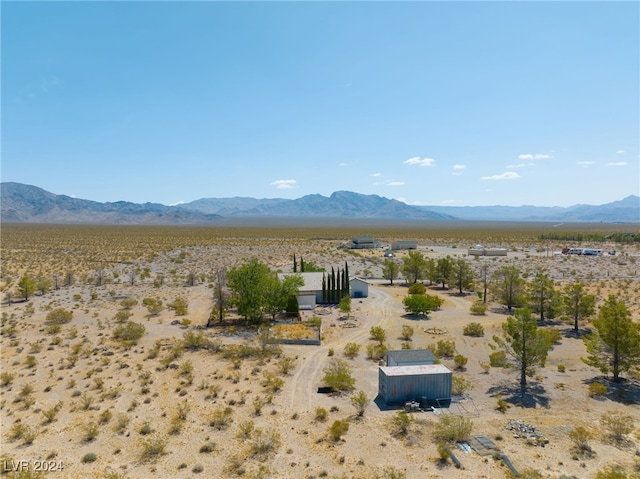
<point>248,284</point>
<point>345,305</point>
<point>414,266</point>
<point>541,293</point>
<point>26,287</point>
<point>421,304</point>
<point>337,375</point>
<point>221,297</point>
<point>484,277</point>
<point>378,333</point>
<point>615,346</point>
<point>43,284</point>
<point>279,291</point>
<point>390,270</point>
<point>577,303</point>
<point>508,286</point>
<point>444,269</point>
<point>461,275</point>
<point>525,343</point>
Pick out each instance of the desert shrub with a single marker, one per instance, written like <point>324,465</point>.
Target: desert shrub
<point>561,368</point>
<point>122,421</point>
<point>376,351</point>
<point>338,429</point>
<point>392,472</point>
<point>59,316</point>
<point>473,329</point>
<point>180,306</point>
<point>360,401</point>
<point>478,308</point>
<point>264,443</point>
<point>445,348</point>
<point>580,438</point>
<point>612,471</point>
<point>530,473</point>
<point>351,350</point>
<point>89,457</point>
<point>153,445</point>
<point>122,317</point>
<point>460,361</point>
<point>321,414</point>
<point>6,377</point>
<point>401,422</point>
<point>460,385</point>
<point>221,418</point>
<point>245,429</point>
<point>51,413</point>
<point>129,333</point>
<point>552,335</point>
<point>91,431</point>
<point>378,334</point>
<point>498,359</point>
<point>501,404</point>
<point>153,305</point>
<point>128,303</point>
<point>452,428</point>
<point>407,332</point>
<point>338,376</point>
<point>286,364</point>
<point>617,424</point>
<point>207,448</point>
<point>597,390</point>
<point>417,288</point>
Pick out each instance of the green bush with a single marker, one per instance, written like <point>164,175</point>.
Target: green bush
<point>617,424</point>
<point>89,457</point>
<point>597,390</point>
<point>321,414</point>
<point>553,335</point>
<point>376,351</point>
<point>452,428</point>
<point>475,330</point>
<point>378,334</point>
<point>417,288</point>
<point>460,361</point>
<point>129,333</point>
<point>59,316</point>
<point>337,375</point>
<point>478,308</point>
<point>498,359</point>
<point>338,429</point>
<point>445,348</point>
<point>351,350</point>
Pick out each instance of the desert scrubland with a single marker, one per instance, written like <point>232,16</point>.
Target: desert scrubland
<point>82,396</point>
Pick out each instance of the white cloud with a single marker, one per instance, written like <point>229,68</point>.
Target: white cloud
<point>585,164</point>
<point>620,152</point>
<point>284,184</point>
<point>181,202</point>
<point>519,165</point>
<point>376,174</point>
<point>422,162</point>
<point>507,175</point>
<point>389,183</point>
<point>617,163</point>
<point>343,164</point>
<point>529,156</point>
<point>457,169</point>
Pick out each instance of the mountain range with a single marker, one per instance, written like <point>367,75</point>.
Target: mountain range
<point>22,203</point>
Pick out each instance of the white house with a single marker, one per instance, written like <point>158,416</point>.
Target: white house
<point>359,288</point>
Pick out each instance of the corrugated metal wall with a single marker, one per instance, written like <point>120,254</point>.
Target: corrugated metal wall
<point>396,389</point>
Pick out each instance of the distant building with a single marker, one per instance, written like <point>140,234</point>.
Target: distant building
<point>363,242</point>
<point>310,293</point>
<point>479,250</point>
<point>404,244</point>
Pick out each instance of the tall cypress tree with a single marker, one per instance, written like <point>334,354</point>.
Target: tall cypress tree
<point>301,264</point>
<point>324,288</point>
<point>333,285</point>
<point>295,264</point>
<point>346,279</point>
<point>339,287</point>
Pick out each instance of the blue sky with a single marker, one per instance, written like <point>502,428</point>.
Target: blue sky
<point>460,103</point>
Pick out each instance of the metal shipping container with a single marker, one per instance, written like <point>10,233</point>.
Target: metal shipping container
<point>398,384</point>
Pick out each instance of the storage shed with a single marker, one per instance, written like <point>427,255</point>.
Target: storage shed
<point>404,244</point>
<point>410,357</point>
<point>426,383</point>
<point>359,288</point>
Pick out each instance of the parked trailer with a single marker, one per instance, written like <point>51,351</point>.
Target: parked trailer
<point>592,252</point>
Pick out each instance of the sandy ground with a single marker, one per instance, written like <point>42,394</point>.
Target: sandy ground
<point>128,382</point>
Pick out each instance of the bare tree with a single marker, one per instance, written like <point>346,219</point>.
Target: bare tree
<point>132,276</point>
<point>69,278</point>
<point>221,297</point>
<point>100,276</point>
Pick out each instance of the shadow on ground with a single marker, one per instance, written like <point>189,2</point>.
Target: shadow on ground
<point>627,391</point>
<point>536,395</point>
